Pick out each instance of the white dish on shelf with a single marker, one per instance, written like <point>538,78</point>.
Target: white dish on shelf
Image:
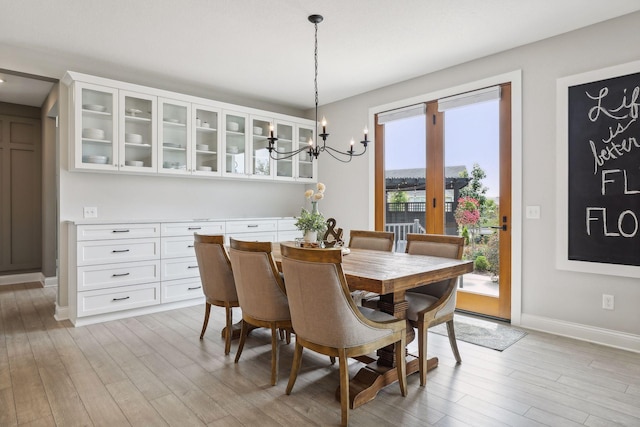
<point>202,147</point>
<point>138,163</point>
<point>133,111</point>
<point>94,107</point>
<point>171,120</point>
<point>204,168</point>
<point>133,137</point>
<point>172,145</point>
<point>233,126</point>
<point>101,160</point>
<point>257,130</point>
<point>93,133</point>
<point>232,149</point>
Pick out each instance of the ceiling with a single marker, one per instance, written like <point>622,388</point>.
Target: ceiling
<point>263,49</point>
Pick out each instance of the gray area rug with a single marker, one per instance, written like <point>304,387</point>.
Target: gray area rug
<point>482,332</point>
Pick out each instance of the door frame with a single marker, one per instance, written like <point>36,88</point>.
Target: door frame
<point>515,78</point>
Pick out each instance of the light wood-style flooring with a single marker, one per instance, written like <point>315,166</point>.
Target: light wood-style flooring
<point>153,370</point>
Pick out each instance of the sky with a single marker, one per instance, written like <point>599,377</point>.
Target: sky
<point>471,136</point>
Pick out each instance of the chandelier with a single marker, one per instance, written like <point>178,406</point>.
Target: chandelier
<point>314,149</point>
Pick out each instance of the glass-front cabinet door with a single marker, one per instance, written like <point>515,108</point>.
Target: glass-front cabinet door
<point>235,143</point>
<point>261,165</point>
<point>306,166</point>
<point>95,127</point>
<point>174,136</point>
<point>137,132</point>
<point>204,152</point>
<point>284,168</point>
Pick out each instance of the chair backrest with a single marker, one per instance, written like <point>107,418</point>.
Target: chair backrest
<point>374,240</point>
<point>435,245</point>
<point>215,269</point>
<point>322,310</point>
<point>260,287</point>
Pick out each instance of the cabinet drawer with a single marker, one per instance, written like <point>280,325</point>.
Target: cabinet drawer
<point>287,224</point>
<point>179,268</point>
<point>110,251</point>
<point>251,226</point>
<point>177,247</point>
<point>188,228</point>
<point>112,275</point>
<point>286,236</point>
<point>117,231</point>
<point>117,299</point>
<point>179,290</point>
<point>254,237</point>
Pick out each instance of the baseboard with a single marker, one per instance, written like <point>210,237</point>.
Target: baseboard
<point>608,337</point>
<point>48,281</point>
<point>62,313</point>
<point>13,279</point>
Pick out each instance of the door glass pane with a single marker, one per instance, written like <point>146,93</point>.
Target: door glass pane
<point>472,178</point>
<point>405,161</point>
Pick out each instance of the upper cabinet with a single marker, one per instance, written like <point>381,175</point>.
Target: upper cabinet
<point>121,127</point>
<point>95,129</point>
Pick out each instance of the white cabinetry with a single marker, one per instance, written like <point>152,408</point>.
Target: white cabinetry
<point>287,230</point>
<point>253,230</point>
<point>116,267</point>
<point>125,128</point>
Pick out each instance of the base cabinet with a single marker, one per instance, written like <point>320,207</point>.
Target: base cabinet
<point>126,269</point>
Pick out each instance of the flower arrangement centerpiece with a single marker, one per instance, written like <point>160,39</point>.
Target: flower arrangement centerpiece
<point>312,222</point>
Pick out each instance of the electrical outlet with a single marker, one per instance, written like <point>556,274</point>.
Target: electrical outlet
<point>533,212</point>
<point>607,302</point>
<point>90,212</point>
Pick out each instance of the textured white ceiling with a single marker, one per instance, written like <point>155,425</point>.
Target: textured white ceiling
<point>263,49</point>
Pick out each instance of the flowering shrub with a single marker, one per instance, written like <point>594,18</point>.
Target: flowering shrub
<point>468,212</point>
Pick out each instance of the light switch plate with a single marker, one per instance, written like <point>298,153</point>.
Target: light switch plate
<point>533,212</point>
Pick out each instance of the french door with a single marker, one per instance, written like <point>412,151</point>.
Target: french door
<point>444,167</point>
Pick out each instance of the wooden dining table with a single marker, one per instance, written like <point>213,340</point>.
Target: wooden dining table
<point>390,274</point>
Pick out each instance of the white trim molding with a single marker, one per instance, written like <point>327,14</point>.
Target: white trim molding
<point>607,337</point>
<point>14,279</point>
<point>62,313</point>
<point>48,282</point>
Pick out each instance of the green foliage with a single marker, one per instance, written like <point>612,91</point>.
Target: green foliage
<point>465,234</point>
<point>398,197</point>
<point>308,221</point>
<point>481,263</point>
<point>475,188</point>
<point>493,253</point>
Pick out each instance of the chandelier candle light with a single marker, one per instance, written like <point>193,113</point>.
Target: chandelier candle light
<point>314,150</point>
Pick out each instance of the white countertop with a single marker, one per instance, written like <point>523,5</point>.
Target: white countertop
<point>94,221</point>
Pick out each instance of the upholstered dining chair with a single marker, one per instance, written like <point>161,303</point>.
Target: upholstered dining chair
<point>433,304</point>
<point>327,321</point>
<point>374,240</point>
<point>217,281</point>
<point>261,293</point>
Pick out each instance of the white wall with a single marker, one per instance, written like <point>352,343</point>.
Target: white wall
<point>559,301</point>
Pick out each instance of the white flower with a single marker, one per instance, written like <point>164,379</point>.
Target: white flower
<point>318,196</point>
<point>308,194</point>
<point>321,187</point>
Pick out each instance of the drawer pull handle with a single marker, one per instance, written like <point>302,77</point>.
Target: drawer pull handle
<point>120,274</point>
<point>119,251</point>
<point>120,299</point>
<point>195,228</point>
<point>121,231</point>
<point>192,266</point>
<point>252,225</point>
<point>190,246</point>
<point>193,289</point>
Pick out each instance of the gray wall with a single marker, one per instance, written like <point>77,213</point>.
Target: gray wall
<point>560,301</point>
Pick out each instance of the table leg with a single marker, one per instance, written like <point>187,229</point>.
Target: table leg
<point>373,377</point>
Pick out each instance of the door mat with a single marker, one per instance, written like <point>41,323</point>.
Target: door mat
<point>482,332</point>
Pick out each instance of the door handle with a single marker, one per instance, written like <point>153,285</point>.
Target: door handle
<point>502,227</point>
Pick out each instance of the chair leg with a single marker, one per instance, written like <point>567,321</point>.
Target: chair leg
<point>422,353</point>
<point>207,311</point>
<point>281,333</point>
<point>332,359</point>
<point>243,336</point>
<point>344,386</point>
<point>295,367</point>
<point>452,340</point>
<point>401,363</point>
<point>227,329</point>
<point>288,336</point>
<point>274,354</point>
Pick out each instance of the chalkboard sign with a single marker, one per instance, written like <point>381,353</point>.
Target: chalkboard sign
<point>603,174</point>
